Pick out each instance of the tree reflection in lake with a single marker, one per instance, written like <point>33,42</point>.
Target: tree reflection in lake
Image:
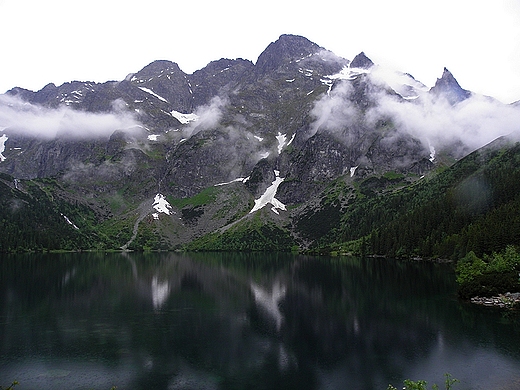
<point>237,321</point>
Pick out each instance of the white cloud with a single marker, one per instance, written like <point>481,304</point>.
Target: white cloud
<point>475,121</point>
<point>208,116</point>
<point>472,123</point>
<point>22,118</point>
<point>334,111</point>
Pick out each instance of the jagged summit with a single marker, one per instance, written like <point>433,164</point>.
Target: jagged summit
<point>208,81</point>
<point>448,87</point>
<point>447,78</point>
<point>162,64</point>
<point>224,63</point>
<point>286,48</point>
<point>157,67</point>
<point>361,61</point>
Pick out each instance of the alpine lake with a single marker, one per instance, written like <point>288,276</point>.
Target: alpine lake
<point>245,321</point>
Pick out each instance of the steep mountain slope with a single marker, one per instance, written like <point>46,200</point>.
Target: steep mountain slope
<point>471,206</point>
<point>237,155</point>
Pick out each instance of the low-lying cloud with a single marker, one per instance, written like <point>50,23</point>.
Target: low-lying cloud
<point>334,111</point>
<point>26,119</point>
<point>471,123</point>
<point>474,122</point>
<point>208,116</point>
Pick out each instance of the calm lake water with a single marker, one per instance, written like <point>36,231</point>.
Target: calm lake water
<point>244,321</point>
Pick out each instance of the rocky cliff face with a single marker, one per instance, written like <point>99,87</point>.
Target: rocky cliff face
<point>300,116</point>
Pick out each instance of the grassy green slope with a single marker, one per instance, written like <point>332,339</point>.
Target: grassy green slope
<point>257,232</point>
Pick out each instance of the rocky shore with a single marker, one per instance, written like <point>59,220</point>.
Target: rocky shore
<point>506,301</point>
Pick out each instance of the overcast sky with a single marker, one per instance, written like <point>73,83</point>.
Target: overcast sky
<point>99,40</point>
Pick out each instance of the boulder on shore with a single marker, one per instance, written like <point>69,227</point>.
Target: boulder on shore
<point>506,301</point>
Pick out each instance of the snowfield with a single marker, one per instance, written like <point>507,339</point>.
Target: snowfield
<point>69,222</point>
<point>269,197</point>
<point>239,179</point>
<point>281,141</point>
<point>148,90</point>
<point>3,138</point>
<point>161,205</point>
<point>184,118</point>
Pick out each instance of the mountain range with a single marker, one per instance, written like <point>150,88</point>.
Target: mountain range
<point>300,150</point>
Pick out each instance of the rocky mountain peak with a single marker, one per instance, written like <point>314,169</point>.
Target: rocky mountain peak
<point>48,92</point>
<point>361,61</point>
<point>447,78</point>
<point>223,64</point>
<point>448,87</point>
<point>286,48</point>
<point>158,67</point>
<point>208,81</point>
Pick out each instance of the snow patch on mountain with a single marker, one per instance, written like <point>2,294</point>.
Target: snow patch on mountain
<point>348,73</point>
<point>69,222</point>
<point>239,179</point>
<point>402,83</point>
<point>148,90</point>
<point>269,196</point>
<point>161,205</point>
<point>184,118</point>
<point>281,141</point>
<point>3,138</point>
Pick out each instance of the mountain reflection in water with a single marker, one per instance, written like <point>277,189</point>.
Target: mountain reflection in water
<point>244,321</point>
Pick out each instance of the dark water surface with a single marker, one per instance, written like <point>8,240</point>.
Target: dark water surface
<point>244,321</point>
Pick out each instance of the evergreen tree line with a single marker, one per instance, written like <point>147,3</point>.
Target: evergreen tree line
<point>34,221</point>
<point>472,206</point>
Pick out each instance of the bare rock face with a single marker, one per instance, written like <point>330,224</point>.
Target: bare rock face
<point>288,48</point>
<point>447,87</point>
<point>361,61</point>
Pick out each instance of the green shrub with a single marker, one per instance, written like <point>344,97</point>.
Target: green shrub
<point>469,267</point>
<point>421,385</point>
<point>506,261</point>
<point>493,275</point>
<point>9,387</point>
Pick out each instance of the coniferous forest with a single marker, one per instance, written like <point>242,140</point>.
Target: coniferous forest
<point>470,206</point>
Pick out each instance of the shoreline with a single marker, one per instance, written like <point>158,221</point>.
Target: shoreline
<point>504,301</point>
